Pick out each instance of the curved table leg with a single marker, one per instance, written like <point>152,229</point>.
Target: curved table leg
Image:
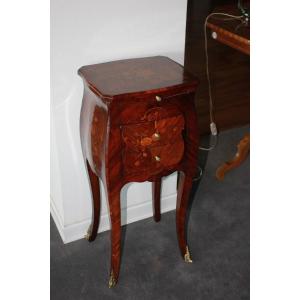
<point>184,187</point>
<point>240,156</point>
<point>115,220</point>
<point>96,201</point>
<point>156,190</point>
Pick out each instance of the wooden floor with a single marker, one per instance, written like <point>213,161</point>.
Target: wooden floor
<point>229,71</point>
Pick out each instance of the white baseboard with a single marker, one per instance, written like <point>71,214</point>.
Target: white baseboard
<point>129,215</point>
<point>57,219</point>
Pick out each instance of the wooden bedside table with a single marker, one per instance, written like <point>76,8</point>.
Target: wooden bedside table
<point>138,123</point>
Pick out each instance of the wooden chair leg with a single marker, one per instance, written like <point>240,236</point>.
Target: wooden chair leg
<point>156,190</point>
<point>241,154</point>
<point>96,202</point>
<point>115,220</point>
<point>184,188</point>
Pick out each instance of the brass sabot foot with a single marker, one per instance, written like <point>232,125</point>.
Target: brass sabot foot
<point>112,282</point>
<point>88,234</point>
<point>187,255</point>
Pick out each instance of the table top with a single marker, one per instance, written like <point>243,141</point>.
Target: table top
<point>136,76</point>
<point>230,31</point>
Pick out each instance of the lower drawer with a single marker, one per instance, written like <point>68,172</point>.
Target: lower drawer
<point>153,160</point>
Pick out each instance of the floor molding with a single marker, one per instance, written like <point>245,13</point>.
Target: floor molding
<point>57,219</point>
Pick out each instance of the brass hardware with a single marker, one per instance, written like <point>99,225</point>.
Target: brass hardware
<point>112,280</point>
<point>156,135</point>
<point>158,98</point>
<point>187,256</point>
<point>157,158</point>
<point>89,233</point>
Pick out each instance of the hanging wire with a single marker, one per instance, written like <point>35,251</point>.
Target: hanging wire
<point>213,126</point>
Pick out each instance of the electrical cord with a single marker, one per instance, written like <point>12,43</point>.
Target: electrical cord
<point>200,171</point>
<point>213,126</point>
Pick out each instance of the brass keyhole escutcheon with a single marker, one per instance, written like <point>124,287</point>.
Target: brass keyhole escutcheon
<point>158,98</point>
<point>157,158</point>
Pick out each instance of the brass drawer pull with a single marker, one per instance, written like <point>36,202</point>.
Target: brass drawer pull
<point>157,158</point>
<point>158,98</point>
<point>156,136</point>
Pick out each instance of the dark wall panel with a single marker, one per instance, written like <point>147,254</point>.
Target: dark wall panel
<point>229,71</point>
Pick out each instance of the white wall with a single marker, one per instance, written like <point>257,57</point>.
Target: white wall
<point>94,31</point>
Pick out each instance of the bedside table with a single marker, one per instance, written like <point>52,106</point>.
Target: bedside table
<point>138,123</point>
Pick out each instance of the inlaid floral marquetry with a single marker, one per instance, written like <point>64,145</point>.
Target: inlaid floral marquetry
<point>153,145</point>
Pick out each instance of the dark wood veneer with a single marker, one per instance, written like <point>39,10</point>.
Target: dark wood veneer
<point>138,122</point>
<point>229,69</point>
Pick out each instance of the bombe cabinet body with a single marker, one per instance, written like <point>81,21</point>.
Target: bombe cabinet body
<point>138,123</point>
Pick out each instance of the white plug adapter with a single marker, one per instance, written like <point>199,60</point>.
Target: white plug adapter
<point>213,128</point>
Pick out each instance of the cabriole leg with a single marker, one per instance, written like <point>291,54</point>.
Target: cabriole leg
<point>115,220</point>
<point>156,190</point>
<point>184,188</point>
<point>96,201</point>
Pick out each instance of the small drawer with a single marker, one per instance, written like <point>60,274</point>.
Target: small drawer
<point>134,110</point>
<point>153,133</point>
<point>153,159</point>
